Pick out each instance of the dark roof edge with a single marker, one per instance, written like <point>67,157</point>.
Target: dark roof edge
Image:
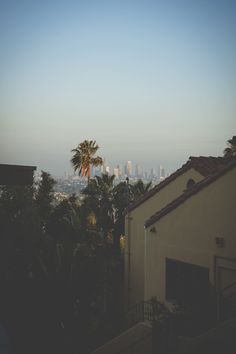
<point>187,194</point>
<point>161,185</point>
<point>20,166</point>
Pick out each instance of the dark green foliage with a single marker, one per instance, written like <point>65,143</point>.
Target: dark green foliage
<point>44,196</point>
<point>230,151</point>
<point>140,188</point>
<point>20,232</point>
<point>59,265</point>
<point>99,201</point>
<point>109,203</point>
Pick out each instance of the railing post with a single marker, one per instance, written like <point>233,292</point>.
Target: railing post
<point>143,311</point>
<point>219,304</point>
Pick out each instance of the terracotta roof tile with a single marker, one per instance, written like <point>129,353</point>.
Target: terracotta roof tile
<point>208,165</point>
<point>190,192</point>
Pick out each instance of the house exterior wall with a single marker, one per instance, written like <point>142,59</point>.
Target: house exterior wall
<point>134,231</point>
<point>188,234</point>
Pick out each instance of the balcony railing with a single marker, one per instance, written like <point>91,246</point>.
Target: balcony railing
<point>145,311</point>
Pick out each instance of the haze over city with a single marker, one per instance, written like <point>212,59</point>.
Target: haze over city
<point>151,81</point>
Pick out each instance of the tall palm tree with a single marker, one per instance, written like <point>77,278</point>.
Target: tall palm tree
<point>230,151</point>
<point>84,157</point>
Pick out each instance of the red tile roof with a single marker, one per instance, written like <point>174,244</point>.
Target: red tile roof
<point>190,192</point>
<point>208,165</point>
<point>205,165</point>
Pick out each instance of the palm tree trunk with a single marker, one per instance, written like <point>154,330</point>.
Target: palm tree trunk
<point>82,172</point>
<point>88,174</point>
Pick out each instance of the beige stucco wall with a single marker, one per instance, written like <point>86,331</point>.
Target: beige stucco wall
<point>135,233</point>
<point>188,233</point>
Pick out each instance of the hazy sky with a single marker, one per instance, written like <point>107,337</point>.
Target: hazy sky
<point>151,81</point>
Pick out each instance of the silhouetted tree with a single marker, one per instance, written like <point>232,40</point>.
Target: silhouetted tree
<point>20,230</point>
<point>99,201</point>
<point>230,151</point>
<point>66,273</point>
<point>140,188</point>
<point>123,195</point>
<point>44,196</point>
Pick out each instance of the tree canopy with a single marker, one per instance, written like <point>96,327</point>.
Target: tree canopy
<point>64,259</point>
<point>230,151</point>
<point>84,157</point>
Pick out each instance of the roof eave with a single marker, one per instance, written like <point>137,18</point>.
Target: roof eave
<point>187,194</point>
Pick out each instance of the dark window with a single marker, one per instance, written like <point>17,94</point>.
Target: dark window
<point>190,183</point>
<point>187,284</point>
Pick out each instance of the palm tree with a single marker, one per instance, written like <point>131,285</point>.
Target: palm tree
<point>123,195</point>
<point>140,188</point>
<point>99,201</point>
<point>84,157</point>
<point>230,151</point>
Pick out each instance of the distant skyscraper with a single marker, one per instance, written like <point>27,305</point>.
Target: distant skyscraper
<point>162,173</point>
<point>138,171</point>
<point>129,168</point>
<point>152,173</point>
<point>119,170</point>
<point>116,172</point>
<point>103,166</point>
<point>125,170</point>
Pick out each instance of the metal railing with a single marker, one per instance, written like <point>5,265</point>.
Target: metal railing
<point>227,302</point>
<point>230,286</point>
<point>145,311</point>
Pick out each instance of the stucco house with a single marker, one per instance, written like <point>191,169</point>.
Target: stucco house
<point>190,244</point>
<point>193,171</point>
<point>184,252</point>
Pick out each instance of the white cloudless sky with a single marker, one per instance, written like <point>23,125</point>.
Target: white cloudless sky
<point>151,81</point>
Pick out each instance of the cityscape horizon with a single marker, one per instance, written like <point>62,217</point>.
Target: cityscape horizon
<point>169,164</point>
<point>151,82</point>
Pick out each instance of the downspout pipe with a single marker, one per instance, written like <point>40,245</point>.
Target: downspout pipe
<point>145,264</point>
<point>129,244</point>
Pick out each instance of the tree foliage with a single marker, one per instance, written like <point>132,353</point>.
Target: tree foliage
<point>65,259</point>
<point>230,151</point>
<point>84,157</point>
<point>44,195</point>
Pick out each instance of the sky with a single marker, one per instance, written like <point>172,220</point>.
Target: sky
<point>153,82</point>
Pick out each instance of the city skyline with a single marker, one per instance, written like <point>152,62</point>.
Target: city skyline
<point>129,169</point>
<point>151,81</point>
<point>120,170</point>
